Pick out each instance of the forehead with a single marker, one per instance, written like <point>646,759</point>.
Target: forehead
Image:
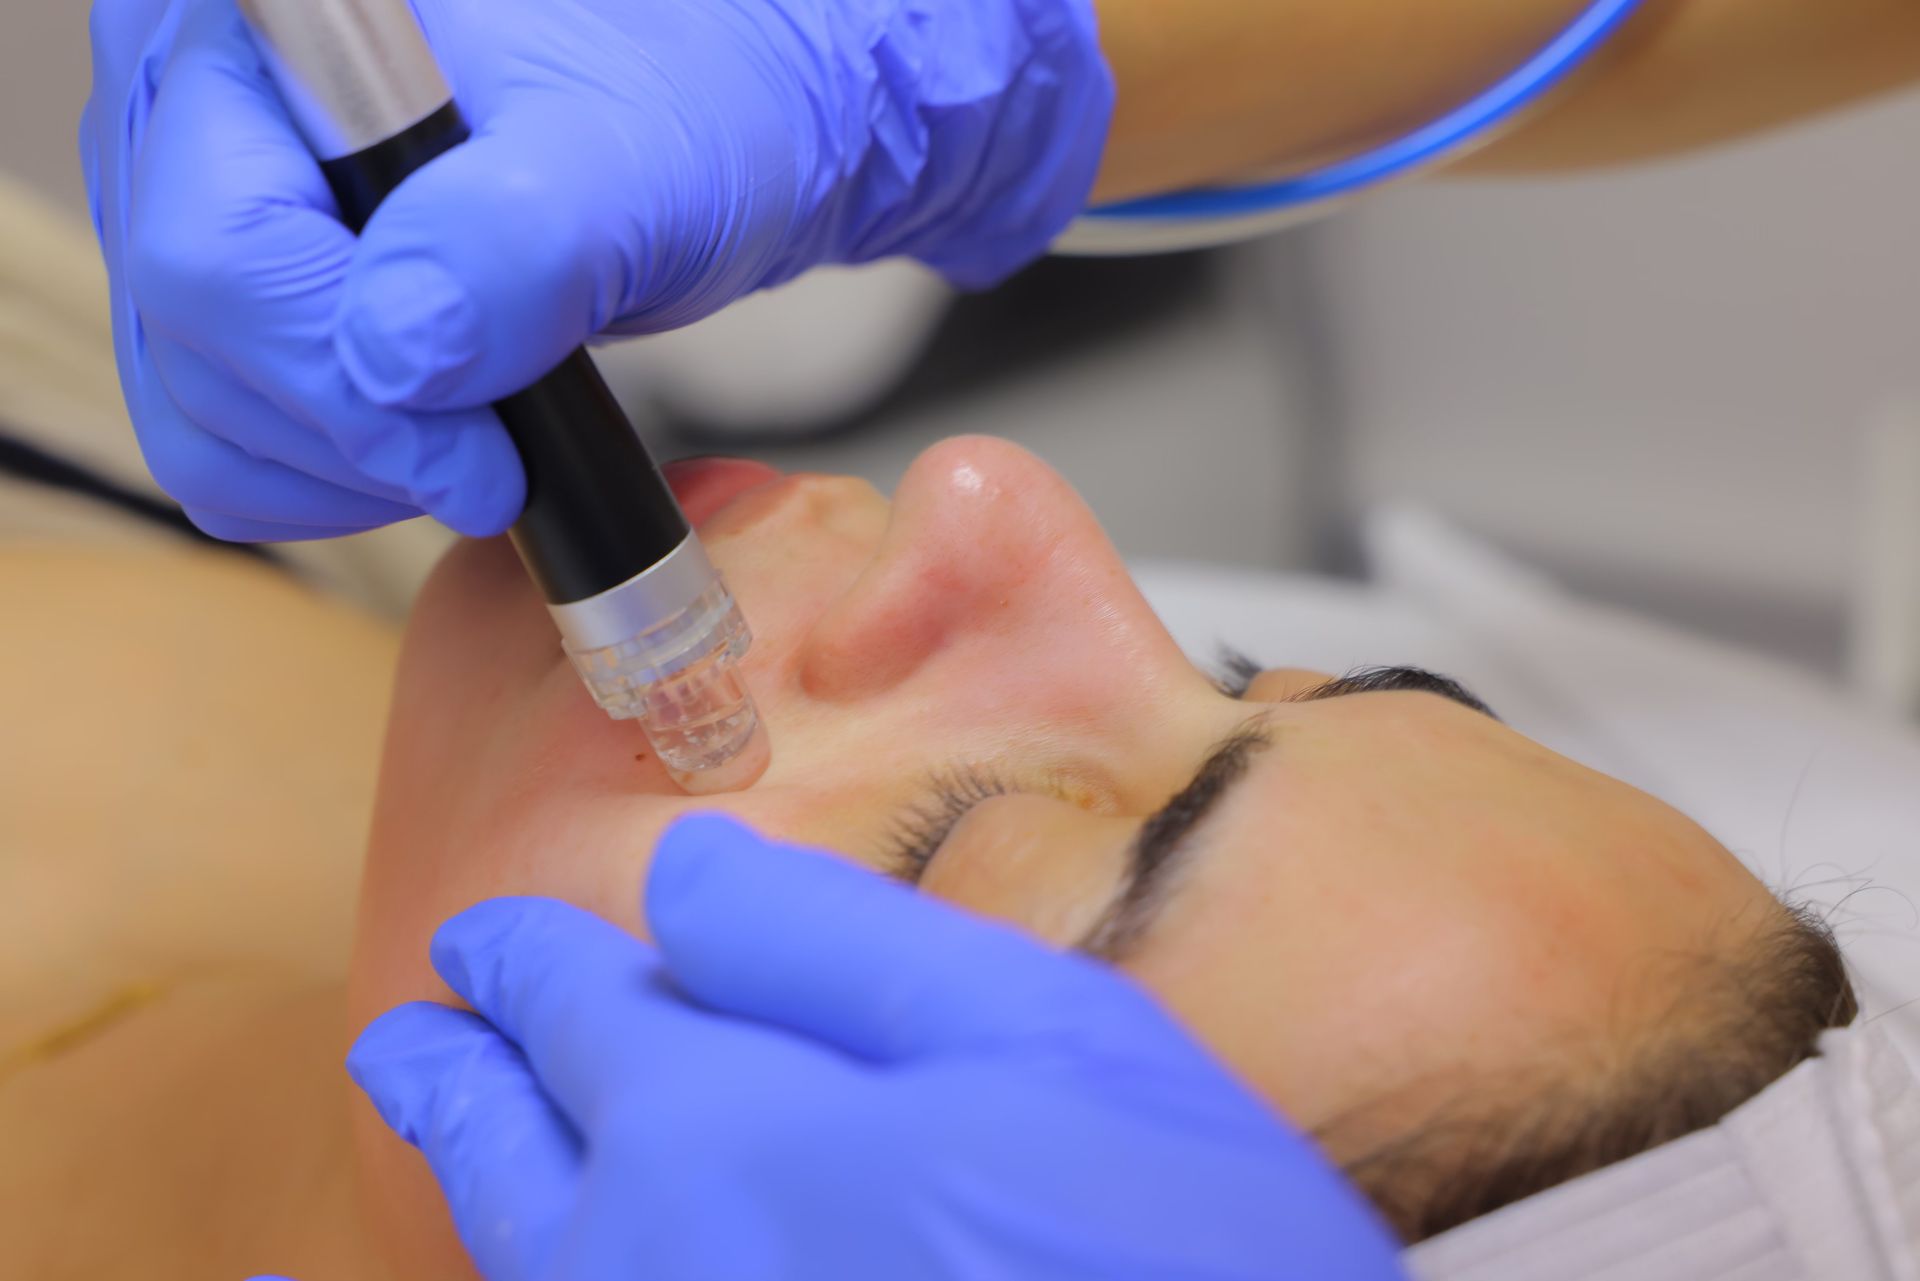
<point>1394,886</point>
<point>1416,783</point>
<point>1382,823</point>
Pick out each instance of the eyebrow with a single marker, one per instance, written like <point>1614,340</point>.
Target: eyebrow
<point>1163,847</point>
<point>1394,680</point>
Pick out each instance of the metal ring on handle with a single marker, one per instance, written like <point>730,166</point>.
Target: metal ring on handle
<point>1218,215</point>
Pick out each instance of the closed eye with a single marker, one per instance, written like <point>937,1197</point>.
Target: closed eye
<point>920,832</point>
<point>1234,673</point>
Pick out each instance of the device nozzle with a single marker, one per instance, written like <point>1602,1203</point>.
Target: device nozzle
<point>705,728</point>
<point>681,680</point>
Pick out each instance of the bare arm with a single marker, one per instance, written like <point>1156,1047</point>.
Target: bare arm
<point>1211,89</point>
<point>1701,72</point>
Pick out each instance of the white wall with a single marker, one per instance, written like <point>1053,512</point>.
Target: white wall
<point>1658,377</point>
<point>44,76</point>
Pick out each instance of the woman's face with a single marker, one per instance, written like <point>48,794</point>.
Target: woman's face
<point>1380,889</point>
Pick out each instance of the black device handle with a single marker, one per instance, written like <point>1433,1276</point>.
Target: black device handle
<point>598,511</point>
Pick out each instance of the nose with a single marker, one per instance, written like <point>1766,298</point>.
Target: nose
<point>989,555</point>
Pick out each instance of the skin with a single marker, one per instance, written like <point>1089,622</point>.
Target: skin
<point>1212,90</point>
<point>1695,73</point>
<point>983,619</point>
<point>186,776</point>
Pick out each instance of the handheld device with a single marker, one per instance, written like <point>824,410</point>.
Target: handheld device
<point>647,621</point>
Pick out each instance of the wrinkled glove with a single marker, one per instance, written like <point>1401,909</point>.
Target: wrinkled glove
<point>820,1073</point>
<point>635,165</point>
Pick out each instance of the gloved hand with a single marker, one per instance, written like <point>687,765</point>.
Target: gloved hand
<point>820,1073</point>
<point>635,165</point>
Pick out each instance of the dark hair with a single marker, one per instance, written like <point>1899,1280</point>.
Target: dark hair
<point>1740,1018</point>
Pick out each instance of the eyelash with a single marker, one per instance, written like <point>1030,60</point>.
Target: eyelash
<point>951,795</point>
<point>1234,673</point>
<point>919,834</point>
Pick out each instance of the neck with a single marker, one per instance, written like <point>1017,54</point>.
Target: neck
<point>206,1123</point>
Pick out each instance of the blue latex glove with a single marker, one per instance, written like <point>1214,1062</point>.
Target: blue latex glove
<point>636,164</point>
<point>820,1073</point>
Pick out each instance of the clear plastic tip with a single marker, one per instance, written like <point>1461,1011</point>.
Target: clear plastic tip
<point>681,680</point>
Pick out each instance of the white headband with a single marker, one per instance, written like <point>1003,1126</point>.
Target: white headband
<point>1816,1178</point>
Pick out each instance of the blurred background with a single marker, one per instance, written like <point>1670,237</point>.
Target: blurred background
<point>1689,389</point>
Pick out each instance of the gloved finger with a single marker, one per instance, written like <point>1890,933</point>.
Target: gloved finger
<point>210,476</point>
<point>246,264</point>
<point>813,943</point>
<point>216,402</point>
<point>555,979</point>
<point>427,450</point>
<point>257,221</point>
<point>445,309</point>
<point>235,529</point>
<point>508,1163</point>
<point>460,467</point>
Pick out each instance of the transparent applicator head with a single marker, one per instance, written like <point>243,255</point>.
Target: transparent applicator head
<point>681,680</point>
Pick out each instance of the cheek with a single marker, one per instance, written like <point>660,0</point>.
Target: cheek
<point>478,629</point>
<point>429,860</point>
<point>423,866</point>
<point>433,854</point>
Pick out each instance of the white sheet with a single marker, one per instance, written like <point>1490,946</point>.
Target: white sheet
<point>1821,797</point>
